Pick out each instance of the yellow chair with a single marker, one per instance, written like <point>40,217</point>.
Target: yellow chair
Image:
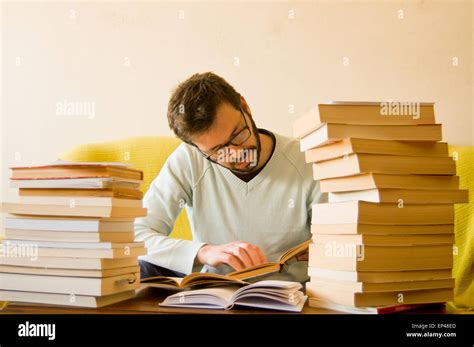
<point>463,267</point>
<point>147,153</point>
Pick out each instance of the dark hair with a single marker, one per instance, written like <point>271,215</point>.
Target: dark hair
<point>193,103</point>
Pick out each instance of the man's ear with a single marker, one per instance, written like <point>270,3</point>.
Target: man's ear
<point>245,106</point>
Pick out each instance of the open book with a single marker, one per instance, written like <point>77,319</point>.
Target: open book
<point>192,281</point>
<point>200,280</point>
<point>276,295</point>
<point>266,268</point>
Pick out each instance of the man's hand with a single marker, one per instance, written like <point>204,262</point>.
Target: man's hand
<point>238,255</point>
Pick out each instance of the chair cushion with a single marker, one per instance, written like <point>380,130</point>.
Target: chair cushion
<point>463,270</point>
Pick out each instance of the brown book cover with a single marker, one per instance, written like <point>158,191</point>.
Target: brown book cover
<point>359,112</point>
<point>61,170</point>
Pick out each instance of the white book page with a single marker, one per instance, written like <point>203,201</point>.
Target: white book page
<point>287,297</point>
<point>202,298</point>
<point>273,305</point>
<point>269,286</point>
<point>60,183</point>
<point>76,245</point>
<point>60,162</point>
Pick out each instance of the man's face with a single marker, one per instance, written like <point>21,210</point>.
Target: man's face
<point>229,124</point>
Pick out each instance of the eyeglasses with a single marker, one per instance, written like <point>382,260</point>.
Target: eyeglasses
<point>238,139</point>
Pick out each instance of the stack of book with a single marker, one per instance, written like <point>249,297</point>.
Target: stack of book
<point>386,235</point>
<point>70,240</point>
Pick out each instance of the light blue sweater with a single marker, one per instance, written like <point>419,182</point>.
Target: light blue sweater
<point>272,211</point>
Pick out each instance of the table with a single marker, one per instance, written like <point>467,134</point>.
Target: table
<point>146,302</point>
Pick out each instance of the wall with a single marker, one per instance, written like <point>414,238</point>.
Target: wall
<point>125,58</point>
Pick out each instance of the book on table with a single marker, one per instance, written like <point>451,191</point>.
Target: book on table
<point>366,146</point>
<point>388,181</point>
<point>379,276</point>
<point>65,299</point>
<point>73,205</point>
<point>357,257</point>
<point>70,238</point>
<point>64,223</point>
<point>355,164</point>
<point>329,133</point>
<point>359,112</point>
<point>76,183</point>
<point>379,213</point>
<point>381,229</point>
<point>94,273</point>
<point>68,229</point>
<point>78,249</point>
<point>67,236</point>
<point>72,209</point>
<point>203,279</point>
<point>63,262</point>
<point>73,201</point>
<point>385,239</point>
<point>275,295</point>
<point>408,196</point>
<point>70,284</point>
<point>75,245</point>
<point>61,170</point>
<point>329,305</point>
<point>114,192</point>
<point>361,299</point>
<point>364,287</point>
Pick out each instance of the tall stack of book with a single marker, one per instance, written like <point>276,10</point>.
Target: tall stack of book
<point>70,239</point>
<point>386,235</point>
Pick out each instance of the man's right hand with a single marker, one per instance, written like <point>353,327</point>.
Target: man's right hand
<point>238,255</point>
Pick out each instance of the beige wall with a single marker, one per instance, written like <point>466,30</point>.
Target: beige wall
<point>81,51</point>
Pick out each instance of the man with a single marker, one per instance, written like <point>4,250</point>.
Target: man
<point>247,192</point>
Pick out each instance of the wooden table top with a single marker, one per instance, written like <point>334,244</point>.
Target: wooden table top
<point>147,300</point>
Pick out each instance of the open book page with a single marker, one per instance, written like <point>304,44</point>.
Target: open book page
<point>192,281</point>
<point>272,303</point>
<point>276,289</point>
<point>280,285</point>
<point>60,162</point>
<point>262,269</point>
<point>210,298</point>
<point>277,295</point>
<point>171,283</point>
<point>256,271</point>
<point>199,280</point>
<point>295,251</point>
